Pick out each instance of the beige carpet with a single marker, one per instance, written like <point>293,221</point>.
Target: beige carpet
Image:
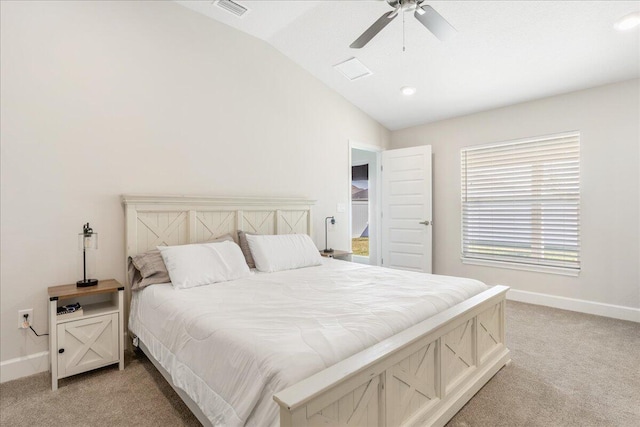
<point>567,369</point>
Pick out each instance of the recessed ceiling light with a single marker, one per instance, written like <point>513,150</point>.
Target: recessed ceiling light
<point>408,90</point>
<point>628,22</point>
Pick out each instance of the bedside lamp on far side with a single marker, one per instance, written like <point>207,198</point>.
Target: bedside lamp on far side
<point>87,240</point>
<point>326,225</point>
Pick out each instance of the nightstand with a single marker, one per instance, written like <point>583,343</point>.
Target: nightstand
<point>91,340</point>
<point>337,254</point>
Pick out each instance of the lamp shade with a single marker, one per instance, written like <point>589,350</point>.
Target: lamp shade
<point>327,250</point>
<point>87,241</point>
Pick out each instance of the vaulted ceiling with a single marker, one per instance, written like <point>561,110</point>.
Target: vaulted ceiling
<point>505,52</point>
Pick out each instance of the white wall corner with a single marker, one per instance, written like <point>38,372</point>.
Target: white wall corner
<point>24,366</point>
<point>583,306</point>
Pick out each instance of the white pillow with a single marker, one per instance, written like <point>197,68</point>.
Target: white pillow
<point>203,264</point>
<point>283,251</point>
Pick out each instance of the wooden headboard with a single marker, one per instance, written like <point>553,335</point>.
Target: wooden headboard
<point>152,221</point>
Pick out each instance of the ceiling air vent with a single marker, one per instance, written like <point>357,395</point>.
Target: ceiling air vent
<point>353,69</point>
<point>232,7</point>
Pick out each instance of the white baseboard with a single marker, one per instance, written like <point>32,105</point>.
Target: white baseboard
<point>24,366</point>
<point>360,259</point>
<point>571,304</point>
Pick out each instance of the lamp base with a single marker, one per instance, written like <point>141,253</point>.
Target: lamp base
<point>328,251</point>
<point>86,283</point>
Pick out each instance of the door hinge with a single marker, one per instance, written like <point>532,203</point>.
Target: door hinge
<point>381,168</point>
<point>381,261</point>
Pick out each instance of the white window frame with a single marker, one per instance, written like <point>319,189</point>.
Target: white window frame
<point>537,261</point>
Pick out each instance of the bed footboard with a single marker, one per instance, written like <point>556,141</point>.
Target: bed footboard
<point>421,376</point>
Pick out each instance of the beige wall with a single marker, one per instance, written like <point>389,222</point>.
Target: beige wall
<point>104,98</point>
<point>608,120</point>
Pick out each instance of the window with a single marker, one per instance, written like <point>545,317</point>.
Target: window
<point>521,203</point>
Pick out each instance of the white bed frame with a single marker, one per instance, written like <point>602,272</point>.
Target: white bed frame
<point>421,376</point>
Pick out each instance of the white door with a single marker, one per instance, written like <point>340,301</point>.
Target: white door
<point>406,208</point>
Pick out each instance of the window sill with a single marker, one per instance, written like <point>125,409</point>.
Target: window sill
<point>526,267</point>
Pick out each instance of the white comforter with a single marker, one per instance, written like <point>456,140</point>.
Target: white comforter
<point>231,346</point>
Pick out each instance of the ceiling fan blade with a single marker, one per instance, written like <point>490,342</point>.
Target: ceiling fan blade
<point>435,22</point>
<point>371,32</point>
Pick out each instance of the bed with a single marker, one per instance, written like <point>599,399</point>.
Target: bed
<point>334,344</point>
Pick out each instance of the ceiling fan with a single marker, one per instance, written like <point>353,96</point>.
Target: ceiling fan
<point>425,14</point>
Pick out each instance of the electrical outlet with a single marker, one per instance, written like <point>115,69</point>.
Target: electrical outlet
<point>21,319</point>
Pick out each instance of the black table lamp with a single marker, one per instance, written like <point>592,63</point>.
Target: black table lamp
<point>87,240</point>
<point>326,225</point>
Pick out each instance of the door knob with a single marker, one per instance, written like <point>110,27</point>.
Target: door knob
<point>425,223</point>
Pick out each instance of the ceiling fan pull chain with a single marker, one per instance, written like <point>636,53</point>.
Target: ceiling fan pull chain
<point>403,32</point>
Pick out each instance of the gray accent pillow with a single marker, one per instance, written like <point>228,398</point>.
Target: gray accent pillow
<point>244,246</point>
<point>148,268</point>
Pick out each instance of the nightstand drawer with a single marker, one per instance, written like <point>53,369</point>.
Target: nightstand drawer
<point>85,344</point>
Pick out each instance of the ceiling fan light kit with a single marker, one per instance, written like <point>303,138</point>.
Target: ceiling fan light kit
<point>426,15</point>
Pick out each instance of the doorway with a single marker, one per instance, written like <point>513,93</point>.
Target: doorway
<point>364,203</point>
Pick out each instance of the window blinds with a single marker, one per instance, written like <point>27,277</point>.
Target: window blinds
<point>521,201</point>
